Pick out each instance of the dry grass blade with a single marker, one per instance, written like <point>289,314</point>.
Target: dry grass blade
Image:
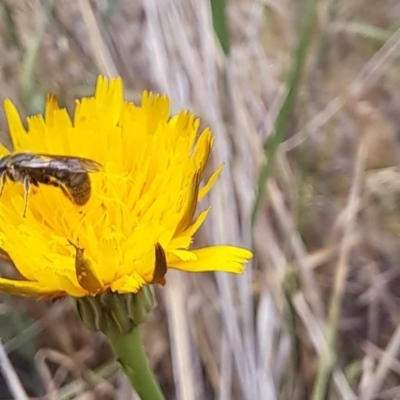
<point>11,376</point>
<point>328,358</point>
<point>371,72</point>
<point>316,334</point>
<point>103,58</point>
<point>308,279</point>
<point>31,100</point>
<point>180,345</point>
<point>391,352</point>
<point>376,353</point>
<point>225,387</point>
<point>362,29</point>
<point>77,387</point>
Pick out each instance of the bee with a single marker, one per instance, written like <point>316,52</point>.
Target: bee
<point>70,174</point>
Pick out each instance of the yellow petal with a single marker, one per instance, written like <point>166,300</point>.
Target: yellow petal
<point>198,223</point>
<point>217,258</point>
<point>157,108</point>
<point>180,255</point>
<point>37,131</point>
<point>51,107</point>
<point>17,131</point>
<point>202,150</point>
<point>128,284</point>
<point>210,183</point>
<point>3,150</point>
<point>25,288</point>
<point>189,207</point>
<point>109,98</point>
<point>185,239</point>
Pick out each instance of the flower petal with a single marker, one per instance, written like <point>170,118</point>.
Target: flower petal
<point>185,239</point>
<point>25,288</point>
<point>3,150</point>
<point>202,149</point>
<point>189,207</point>
<point>109,98</point>
<point>210,183</point>
<point>51,107</point>
<point>181,255</point>
<point>217,258</point>
<point>128,284</point>
<point>18,133</point>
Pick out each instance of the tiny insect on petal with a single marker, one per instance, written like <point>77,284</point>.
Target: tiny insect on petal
<point>85,273</point>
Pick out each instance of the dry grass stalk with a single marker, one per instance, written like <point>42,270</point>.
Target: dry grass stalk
<point>11,377</point>
<point>328,358</point>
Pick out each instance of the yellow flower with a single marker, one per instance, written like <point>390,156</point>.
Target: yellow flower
<point>142,203</point>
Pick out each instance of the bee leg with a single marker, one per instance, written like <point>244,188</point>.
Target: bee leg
<point>2,181</point>
<point>26,196</point>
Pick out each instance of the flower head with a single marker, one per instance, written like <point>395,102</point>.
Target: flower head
<point>140,218</point>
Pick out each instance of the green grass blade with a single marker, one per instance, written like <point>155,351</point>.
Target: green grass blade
<point>293,84</point>
<point>220,23</point>
<point>10,29</point>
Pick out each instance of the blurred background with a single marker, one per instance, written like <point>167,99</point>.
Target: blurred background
<point>303,97</point>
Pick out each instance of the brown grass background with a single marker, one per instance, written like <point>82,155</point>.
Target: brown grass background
<point>326,237</point>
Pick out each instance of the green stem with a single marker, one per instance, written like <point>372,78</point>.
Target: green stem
<point>130,352</point>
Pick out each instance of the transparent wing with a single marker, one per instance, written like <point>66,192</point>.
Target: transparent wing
<point>61,163</point>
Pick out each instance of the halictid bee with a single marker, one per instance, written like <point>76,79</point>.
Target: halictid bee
<point>70,174</point>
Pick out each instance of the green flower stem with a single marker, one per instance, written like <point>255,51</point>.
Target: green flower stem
<point>130,352</point>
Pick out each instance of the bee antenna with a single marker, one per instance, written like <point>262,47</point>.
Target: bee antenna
<point>74,245</point>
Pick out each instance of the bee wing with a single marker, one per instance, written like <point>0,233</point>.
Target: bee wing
<point>34,161</point>
<point>89,165</point>
<point>63,163</point>
<point>73,164</point>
